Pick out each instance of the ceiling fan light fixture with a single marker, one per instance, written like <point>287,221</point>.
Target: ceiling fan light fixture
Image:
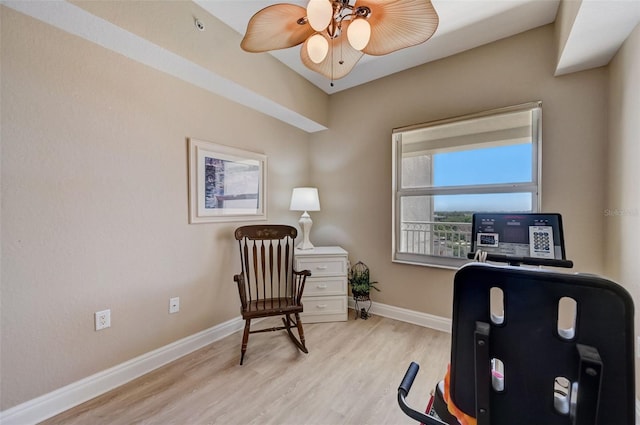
<point>335,34</point>
<point>319,14</point>
<point>359,33</point>
<point>317,47</point>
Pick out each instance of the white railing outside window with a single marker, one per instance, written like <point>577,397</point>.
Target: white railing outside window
<point>435,238</point>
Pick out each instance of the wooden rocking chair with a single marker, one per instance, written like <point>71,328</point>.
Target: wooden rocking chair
<point>268,285</point>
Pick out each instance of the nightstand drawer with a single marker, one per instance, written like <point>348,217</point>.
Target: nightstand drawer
<point>324,305</point>
<point>325,286</point>
<point>323,266</point>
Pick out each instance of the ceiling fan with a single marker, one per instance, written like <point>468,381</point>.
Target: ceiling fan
<point>335,34</point>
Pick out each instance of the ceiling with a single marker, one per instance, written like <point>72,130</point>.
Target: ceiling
<point>598,30</point>
<point>590,31</point>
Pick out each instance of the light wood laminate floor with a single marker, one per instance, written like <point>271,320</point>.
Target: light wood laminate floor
<point>350,376</point>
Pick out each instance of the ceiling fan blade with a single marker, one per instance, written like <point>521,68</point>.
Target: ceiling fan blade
<point>339,51</point>
<point>396,24</point>
<point>276,27</point>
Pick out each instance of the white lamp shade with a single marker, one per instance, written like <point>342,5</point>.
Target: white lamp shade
<point>317,48</point>
<point>305,199</point>
<point>319,14</point>
<point>359,33</point>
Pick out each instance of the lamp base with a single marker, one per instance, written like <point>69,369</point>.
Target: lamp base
<point>305,223</point>
<point>304,246</point>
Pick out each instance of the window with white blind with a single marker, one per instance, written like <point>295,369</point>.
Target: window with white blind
<point>446,170</point>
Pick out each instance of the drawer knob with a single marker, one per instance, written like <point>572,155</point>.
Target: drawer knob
<point>321,306</point>
<point>321,286</point>
<point>321,267</point>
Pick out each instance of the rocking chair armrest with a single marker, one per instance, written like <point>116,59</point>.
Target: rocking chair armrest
<point>300,278</point>
<point>307,273</point>
<point>239,279</point>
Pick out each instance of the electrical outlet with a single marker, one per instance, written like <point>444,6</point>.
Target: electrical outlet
<point>103,319</point>
<point>174,305</point>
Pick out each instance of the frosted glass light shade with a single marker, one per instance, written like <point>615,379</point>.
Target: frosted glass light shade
<point>359,33</point>
<point>305,199</point>
<point>319,14</point>
<point>317,48</point>
<point>335,66</point>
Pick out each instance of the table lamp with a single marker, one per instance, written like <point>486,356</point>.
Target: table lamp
<point>305,199</point>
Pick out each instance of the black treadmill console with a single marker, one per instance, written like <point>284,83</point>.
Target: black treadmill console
<point>534,239</point>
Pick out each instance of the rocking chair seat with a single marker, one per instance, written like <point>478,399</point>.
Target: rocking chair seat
<point>270,307</point>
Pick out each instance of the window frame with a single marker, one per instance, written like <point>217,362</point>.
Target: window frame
<point>533,187</point>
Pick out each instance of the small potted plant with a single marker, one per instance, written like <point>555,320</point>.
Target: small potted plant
<point>361,286</point>
<point>360,281</point>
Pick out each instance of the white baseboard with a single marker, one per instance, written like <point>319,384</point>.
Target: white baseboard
<point>48,405</point>
<point>410,316</point>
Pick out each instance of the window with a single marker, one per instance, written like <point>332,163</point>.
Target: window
<point>445,171</point>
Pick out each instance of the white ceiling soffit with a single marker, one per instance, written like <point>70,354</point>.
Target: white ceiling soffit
<point>77,21</point>
<point>599,29</point>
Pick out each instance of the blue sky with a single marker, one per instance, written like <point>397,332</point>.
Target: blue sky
<point>484,166</point>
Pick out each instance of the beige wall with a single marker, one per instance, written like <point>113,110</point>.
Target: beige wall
<point>351,162</point>
<point>622,207</point>
<point>94,206</point>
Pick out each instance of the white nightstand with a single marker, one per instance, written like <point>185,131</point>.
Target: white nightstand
<point>325,292</point>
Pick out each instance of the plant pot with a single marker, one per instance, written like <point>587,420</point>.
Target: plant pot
<point>361,296</point>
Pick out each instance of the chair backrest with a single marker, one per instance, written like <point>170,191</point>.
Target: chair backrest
<point>266,254</point>
<point>515,359</point>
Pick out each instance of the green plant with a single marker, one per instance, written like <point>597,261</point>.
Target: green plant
<point>359,279</point>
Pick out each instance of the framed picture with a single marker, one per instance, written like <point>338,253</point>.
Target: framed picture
<point>226,184</point>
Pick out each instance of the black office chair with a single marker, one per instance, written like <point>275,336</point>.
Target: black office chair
<point>513,361</point>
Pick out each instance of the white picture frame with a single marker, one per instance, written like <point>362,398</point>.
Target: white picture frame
<point>226,183</point>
